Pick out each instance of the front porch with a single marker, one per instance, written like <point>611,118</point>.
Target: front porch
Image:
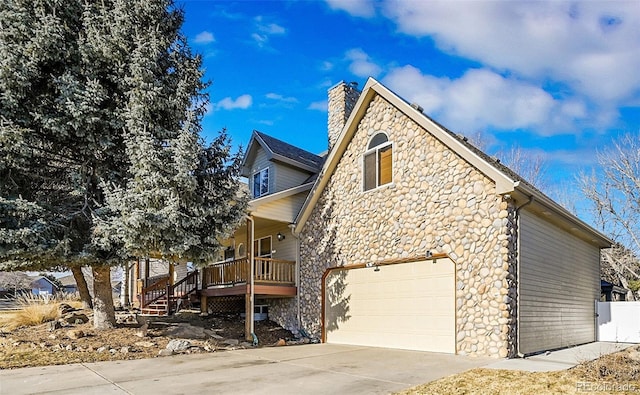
<point>272,278</point>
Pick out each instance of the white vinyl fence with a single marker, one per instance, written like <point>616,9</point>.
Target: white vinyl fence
<point>618,322</point>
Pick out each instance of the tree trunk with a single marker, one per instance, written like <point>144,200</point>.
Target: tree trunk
<point>104,316</point>
<point>126,281</point>
<point>83,289</point>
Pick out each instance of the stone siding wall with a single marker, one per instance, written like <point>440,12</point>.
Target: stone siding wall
<point>436,202</point>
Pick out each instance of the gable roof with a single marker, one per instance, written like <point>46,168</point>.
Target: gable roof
<point>38,278</point>
<point>506,180</point>
<point>281,151</point>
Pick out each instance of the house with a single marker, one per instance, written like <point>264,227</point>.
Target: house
<point>280,177</point>
<point>612,293</point>
<point>413,238</point>
<point>44,287</point>
<point>405,236</point>
<point>68,284</point>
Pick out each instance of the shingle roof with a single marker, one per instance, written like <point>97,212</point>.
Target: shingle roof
<point>289,151</point>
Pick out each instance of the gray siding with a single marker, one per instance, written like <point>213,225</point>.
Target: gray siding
<point>284,210</point>
<point>288,177</point>
<point>559,282</point>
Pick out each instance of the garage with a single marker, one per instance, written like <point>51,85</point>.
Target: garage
<point>405,305</point>
<point>559,284</point>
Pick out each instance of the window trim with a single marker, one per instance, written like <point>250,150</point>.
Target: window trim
<point>257,244</point>
<point>376,152</point>
<point>239,250</point>
<point>260,175</point>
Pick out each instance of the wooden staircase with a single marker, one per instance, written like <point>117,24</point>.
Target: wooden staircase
<point>161,298</point>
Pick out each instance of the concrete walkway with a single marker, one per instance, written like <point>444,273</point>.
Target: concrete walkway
<point>560,359</point>
<point>309,369</point>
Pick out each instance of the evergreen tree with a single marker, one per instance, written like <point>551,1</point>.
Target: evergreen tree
<point>100,106</point>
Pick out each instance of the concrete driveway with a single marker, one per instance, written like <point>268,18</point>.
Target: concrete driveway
<point>308,369</point>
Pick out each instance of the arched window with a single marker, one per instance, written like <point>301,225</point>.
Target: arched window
<point>378,162</point>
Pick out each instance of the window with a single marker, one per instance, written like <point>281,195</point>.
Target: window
<point>261,183</point>
<point>262,247</point>
<point>378,162</point>
<point>229,254</point>
<point>242,252</point>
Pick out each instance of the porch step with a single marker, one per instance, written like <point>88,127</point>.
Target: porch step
<point>157,308</point>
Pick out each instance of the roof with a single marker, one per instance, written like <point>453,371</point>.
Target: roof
<point>67,280</point>
<point>506,180</point>
<point>38,278</point>
<point>607,286</point>
<point>284,152</point>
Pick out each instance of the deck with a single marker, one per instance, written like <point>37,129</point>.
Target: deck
<point>272,277</point>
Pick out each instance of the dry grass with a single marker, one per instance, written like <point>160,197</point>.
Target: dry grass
<point>614,373</point>
<point>35,310</point>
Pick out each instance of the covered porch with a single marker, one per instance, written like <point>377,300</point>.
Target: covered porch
<point>258,263</point>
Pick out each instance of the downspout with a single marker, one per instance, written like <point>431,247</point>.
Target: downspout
<point>517,276</point>
<point>249,315</point>
<point>296,236</point>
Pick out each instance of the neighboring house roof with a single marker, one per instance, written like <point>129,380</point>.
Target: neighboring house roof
<point>507,181</point>
<point>606,286</point>
<point>40,278</point>
<point>283,152</point>
<point>68,281</point>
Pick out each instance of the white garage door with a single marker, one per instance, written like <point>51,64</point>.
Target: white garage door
<point>406,305</point>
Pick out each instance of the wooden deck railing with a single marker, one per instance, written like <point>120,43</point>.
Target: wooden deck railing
<point>154,291</point>
<point>161,288</point>
<point>185,286</point>
<point>266,270</point>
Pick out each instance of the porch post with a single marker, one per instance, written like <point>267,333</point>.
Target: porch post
<point>204,309</point>
<point>136,283</point>
<point>146,270</point>
<point>172,270</point>
<point>249,302</point>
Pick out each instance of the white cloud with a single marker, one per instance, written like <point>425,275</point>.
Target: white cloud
<point>591,46</point>
<point>326,66</point>
<point>272,28</point>
<point>242,102</point>
<point>278,97</point>
<point>319,105</point>
<point>481,99</point>
<point>265,30</point>
<point>361,8</point>
<point>204,37</point>
<point>361,64</point>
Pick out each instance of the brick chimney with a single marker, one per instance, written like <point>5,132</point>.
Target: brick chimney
<point>342,98</point>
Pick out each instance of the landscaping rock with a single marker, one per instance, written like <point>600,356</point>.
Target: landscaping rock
<point>53,325</point>
<point>145,344</point>
<point>186,331</point>
<point>280,343</point>
<point>217,337</point>
<point>101,349</point>
<point>65,308</point>
<point>178,345</point>
<point>165,353</point>
<point>142,332</point>
<point>75,334</point>
<point>124,350</point>
<point>75,318</point>
<point>230,342</point>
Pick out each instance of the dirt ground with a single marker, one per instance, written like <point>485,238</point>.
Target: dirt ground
<point>40,345</point>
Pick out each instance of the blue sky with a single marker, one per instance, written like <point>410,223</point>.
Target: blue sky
<point>559,79</point>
